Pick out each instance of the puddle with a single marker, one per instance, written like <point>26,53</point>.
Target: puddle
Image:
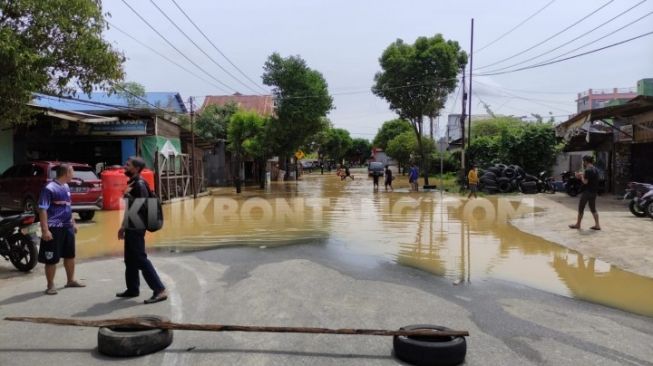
<point>463,241</point>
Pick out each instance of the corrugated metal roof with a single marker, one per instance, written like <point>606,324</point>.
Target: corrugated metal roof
<point>262,104</point>
<point>170,101</point>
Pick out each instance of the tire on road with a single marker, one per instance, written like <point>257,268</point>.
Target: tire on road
<point>529,187</point>
<point>130,342</point>
<point>23,253</point>
<point>432,351</point>
<point>86,215</point>
<point>635,210</point>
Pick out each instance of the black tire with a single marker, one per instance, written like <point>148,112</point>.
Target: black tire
<point>649,210</point>
<point>130,342</point>
<point>29,204</point>
<point>86,215</point>
<point>509,173</point>
<point>529,187</point>
<point>23,254</point>
<point>504,186</point>
<point>496,171</point>
<point>530,178</point>
<point>572,190</point>
<point>501,167</point>
<point>489,175</point>
<point>635,210</point>
<point>430,351</point>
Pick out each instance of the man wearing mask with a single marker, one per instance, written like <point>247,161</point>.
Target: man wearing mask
<point>133,232</point>
<point>590,179</point>
<point>58,228</point>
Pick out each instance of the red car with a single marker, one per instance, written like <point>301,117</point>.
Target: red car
<point>21,185</point>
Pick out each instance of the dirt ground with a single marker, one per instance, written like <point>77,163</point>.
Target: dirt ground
<point>623,242</point>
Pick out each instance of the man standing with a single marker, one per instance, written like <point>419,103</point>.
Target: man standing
<point>590,179</point>
<point>133,232</point>
<point>388,178</point>
<point>413,177</point>
<point>472,180</point>
<point>58,228</point>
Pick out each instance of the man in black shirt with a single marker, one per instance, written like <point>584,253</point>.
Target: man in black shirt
<point>590,179</point>
<point>134,235</point>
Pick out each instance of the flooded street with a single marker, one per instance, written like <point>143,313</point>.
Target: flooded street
<point>462,241</point>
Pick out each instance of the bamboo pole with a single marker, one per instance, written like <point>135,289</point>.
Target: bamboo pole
<point>147,324</point>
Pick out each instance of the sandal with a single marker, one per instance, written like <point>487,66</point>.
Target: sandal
<point>595,228</point>
<point>74,284</point>
<point>51,291</point>
<point>574,226</point>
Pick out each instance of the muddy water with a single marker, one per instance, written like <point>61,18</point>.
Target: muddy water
<point>463,241</point>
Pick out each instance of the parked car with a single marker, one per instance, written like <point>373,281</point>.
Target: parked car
<point>21,185</point>
<point>375,168</point>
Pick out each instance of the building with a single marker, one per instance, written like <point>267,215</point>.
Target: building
<point>105,130</point>
<point>454,129</point>
<point>261,104</point>
<point>599,98</point>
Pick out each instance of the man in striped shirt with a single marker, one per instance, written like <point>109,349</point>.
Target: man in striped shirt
<point>58,228</point>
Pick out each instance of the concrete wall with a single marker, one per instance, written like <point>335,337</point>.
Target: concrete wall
<point>6,149</point>
<point>567,161</point>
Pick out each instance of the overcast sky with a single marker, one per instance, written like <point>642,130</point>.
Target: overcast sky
<point>344,39</point>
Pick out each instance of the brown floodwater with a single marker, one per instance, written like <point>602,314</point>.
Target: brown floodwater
<point>463,241</point>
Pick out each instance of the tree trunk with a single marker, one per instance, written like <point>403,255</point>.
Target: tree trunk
<point>423,165</point>
<point>237,180</point>
<point>262,175</point>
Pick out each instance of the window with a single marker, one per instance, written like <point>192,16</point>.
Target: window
<point>85,174</point>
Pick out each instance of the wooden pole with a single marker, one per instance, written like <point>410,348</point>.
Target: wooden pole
<point>145,324</point>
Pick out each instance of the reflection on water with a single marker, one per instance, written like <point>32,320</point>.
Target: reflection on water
<point>461,240</point>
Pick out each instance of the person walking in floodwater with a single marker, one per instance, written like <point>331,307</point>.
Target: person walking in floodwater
<point>590,179</point>
<point>375,180</point>
<point>347,174</point>
<point>134,235</point>
<point>472,181</point>
<point>413,176</point>
<point>388,178</point>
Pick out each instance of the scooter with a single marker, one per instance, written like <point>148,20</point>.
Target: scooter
<point>640,196</point>
<point>573,185</point>
<point>16,245</point>
<point>545,183</point>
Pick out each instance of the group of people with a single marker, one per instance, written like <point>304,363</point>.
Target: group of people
<point>58,230</point>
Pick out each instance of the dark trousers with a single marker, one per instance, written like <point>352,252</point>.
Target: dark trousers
<point>136,260</point>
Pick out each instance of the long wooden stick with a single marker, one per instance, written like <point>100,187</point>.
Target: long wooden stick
<point>147,324</point>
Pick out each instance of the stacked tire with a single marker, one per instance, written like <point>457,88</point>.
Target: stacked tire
<point>502,178</point>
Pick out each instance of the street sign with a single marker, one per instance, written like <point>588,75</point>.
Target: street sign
<point>299,155</point>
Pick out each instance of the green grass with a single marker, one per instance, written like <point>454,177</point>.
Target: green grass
<point>448,182</point>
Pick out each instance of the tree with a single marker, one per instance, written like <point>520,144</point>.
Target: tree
<point>213,121</point>
<point>243,126</point>
<point>416,80</point>
<point>402,147</point>
<point>338,142</point>
<point>259,147</point>
<point>54,47</point>
<point>302,101</point>
<point>360,150</point>
<point>132,92</point>
<point>389,130</point>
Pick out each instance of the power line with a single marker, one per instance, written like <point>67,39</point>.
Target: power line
<point>547,39</point>
<point>198,47</point>
<point>173,46</point>
<point>570,57</point>
<point>216,47</point>
<point>515,27</point>
<point>143,44</point>
<point>575,39</point>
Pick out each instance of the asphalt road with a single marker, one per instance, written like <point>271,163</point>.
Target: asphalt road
<point>310,285</point>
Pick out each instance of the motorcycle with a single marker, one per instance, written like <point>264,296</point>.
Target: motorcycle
<point>545,183</point>
<point>641,199</point>
<point>16,245</point>
<point>573,185</point>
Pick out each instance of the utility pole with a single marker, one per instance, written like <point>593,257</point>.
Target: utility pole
<point>471,72</point>
<point>463,117</point>
<point>192,146</point>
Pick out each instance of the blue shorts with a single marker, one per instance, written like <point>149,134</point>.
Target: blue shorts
<point>62,245</point>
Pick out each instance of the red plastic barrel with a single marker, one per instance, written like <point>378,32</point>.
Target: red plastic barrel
<point>114,183</point>
<point>148,176</point>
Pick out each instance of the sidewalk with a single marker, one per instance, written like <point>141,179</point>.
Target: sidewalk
<point>622,242</point>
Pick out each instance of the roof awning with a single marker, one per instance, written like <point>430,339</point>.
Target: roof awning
<point>75,116</point>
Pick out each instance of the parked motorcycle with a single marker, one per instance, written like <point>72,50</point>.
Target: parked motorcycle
<point>545,183</point>
<point>640,196</point>
<point>16,245</point>
<point>573,185</point>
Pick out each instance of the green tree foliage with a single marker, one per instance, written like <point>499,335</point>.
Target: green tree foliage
<point>416,80</point>
<point>530,145</point>
<point>389,130</point>
<point>131,91</point>
<point>402,147</point>
<point>54,47</point>
<point>302,101</point>
<point>360,149</point>
<point>338,142</point>
<point>243,128</point>
<point>213,121</point>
